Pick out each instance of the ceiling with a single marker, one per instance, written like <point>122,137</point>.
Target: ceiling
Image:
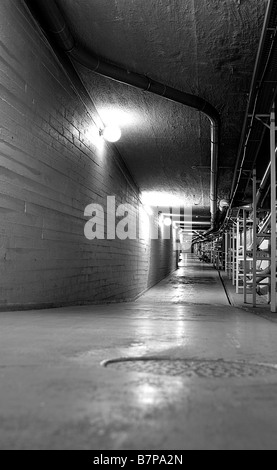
<point>203,47</point>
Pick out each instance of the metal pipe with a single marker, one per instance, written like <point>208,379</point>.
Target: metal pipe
<point>244,255</point>
<point>253,96</point>
<point>265,179</point>
<point>254,238</point>
<point>266,223</point>
<point>273,208</point>
<point>54,23</point>
<point>263,184</point>
<point>214,170</point>
<point>237,252</point>
<point>262,229</point>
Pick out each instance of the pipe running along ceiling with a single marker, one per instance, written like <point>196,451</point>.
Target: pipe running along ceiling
<point>254,149</point>
<point>243,22</point>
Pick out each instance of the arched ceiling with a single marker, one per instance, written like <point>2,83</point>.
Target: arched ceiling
<point>204,47</point>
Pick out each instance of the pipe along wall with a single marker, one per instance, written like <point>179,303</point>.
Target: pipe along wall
<point>49,173</point>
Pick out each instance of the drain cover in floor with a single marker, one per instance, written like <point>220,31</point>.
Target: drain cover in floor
<point>191,368</point>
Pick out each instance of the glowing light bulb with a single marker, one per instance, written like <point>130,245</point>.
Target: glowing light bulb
<point>112,133</point>
<point>167,222</point>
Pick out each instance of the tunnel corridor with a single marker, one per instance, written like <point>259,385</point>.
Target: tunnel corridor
<point>138,225</point>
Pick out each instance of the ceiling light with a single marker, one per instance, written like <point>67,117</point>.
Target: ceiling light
<point>111,133</point>
<point>162,199</point>
<point>167,222</point>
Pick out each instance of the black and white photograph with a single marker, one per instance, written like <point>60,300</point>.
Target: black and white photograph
<point>138,228</point>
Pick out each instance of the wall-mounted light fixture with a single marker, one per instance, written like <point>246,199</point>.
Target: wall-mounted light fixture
<point>111,133</point>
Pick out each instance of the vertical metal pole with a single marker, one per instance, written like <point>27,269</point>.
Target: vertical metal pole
<point>213,253</point>
<point>273,208</point>
<point>237,255</point>
<point>233,256</point>
<point>244,255</point>
<point>255,244</point>
<point>226,252</point>
<point>230,254</point>
<point>214,257</point>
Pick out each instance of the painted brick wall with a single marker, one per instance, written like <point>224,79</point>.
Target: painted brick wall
<point>49,172</point>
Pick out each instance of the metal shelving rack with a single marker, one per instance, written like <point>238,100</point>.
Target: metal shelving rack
<point>242,262</point>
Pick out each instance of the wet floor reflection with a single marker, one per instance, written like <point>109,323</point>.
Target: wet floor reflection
<point>157,392</point>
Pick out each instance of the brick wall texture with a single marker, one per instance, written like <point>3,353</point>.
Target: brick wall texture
<point>49,172</point>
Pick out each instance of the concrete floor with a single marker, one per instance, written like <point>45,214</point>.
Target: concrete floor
<point>54,393</point>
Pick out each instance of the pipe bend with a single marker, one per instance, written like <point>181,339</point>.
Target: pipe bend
<point>54,23</point>
<point>81,56</point>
